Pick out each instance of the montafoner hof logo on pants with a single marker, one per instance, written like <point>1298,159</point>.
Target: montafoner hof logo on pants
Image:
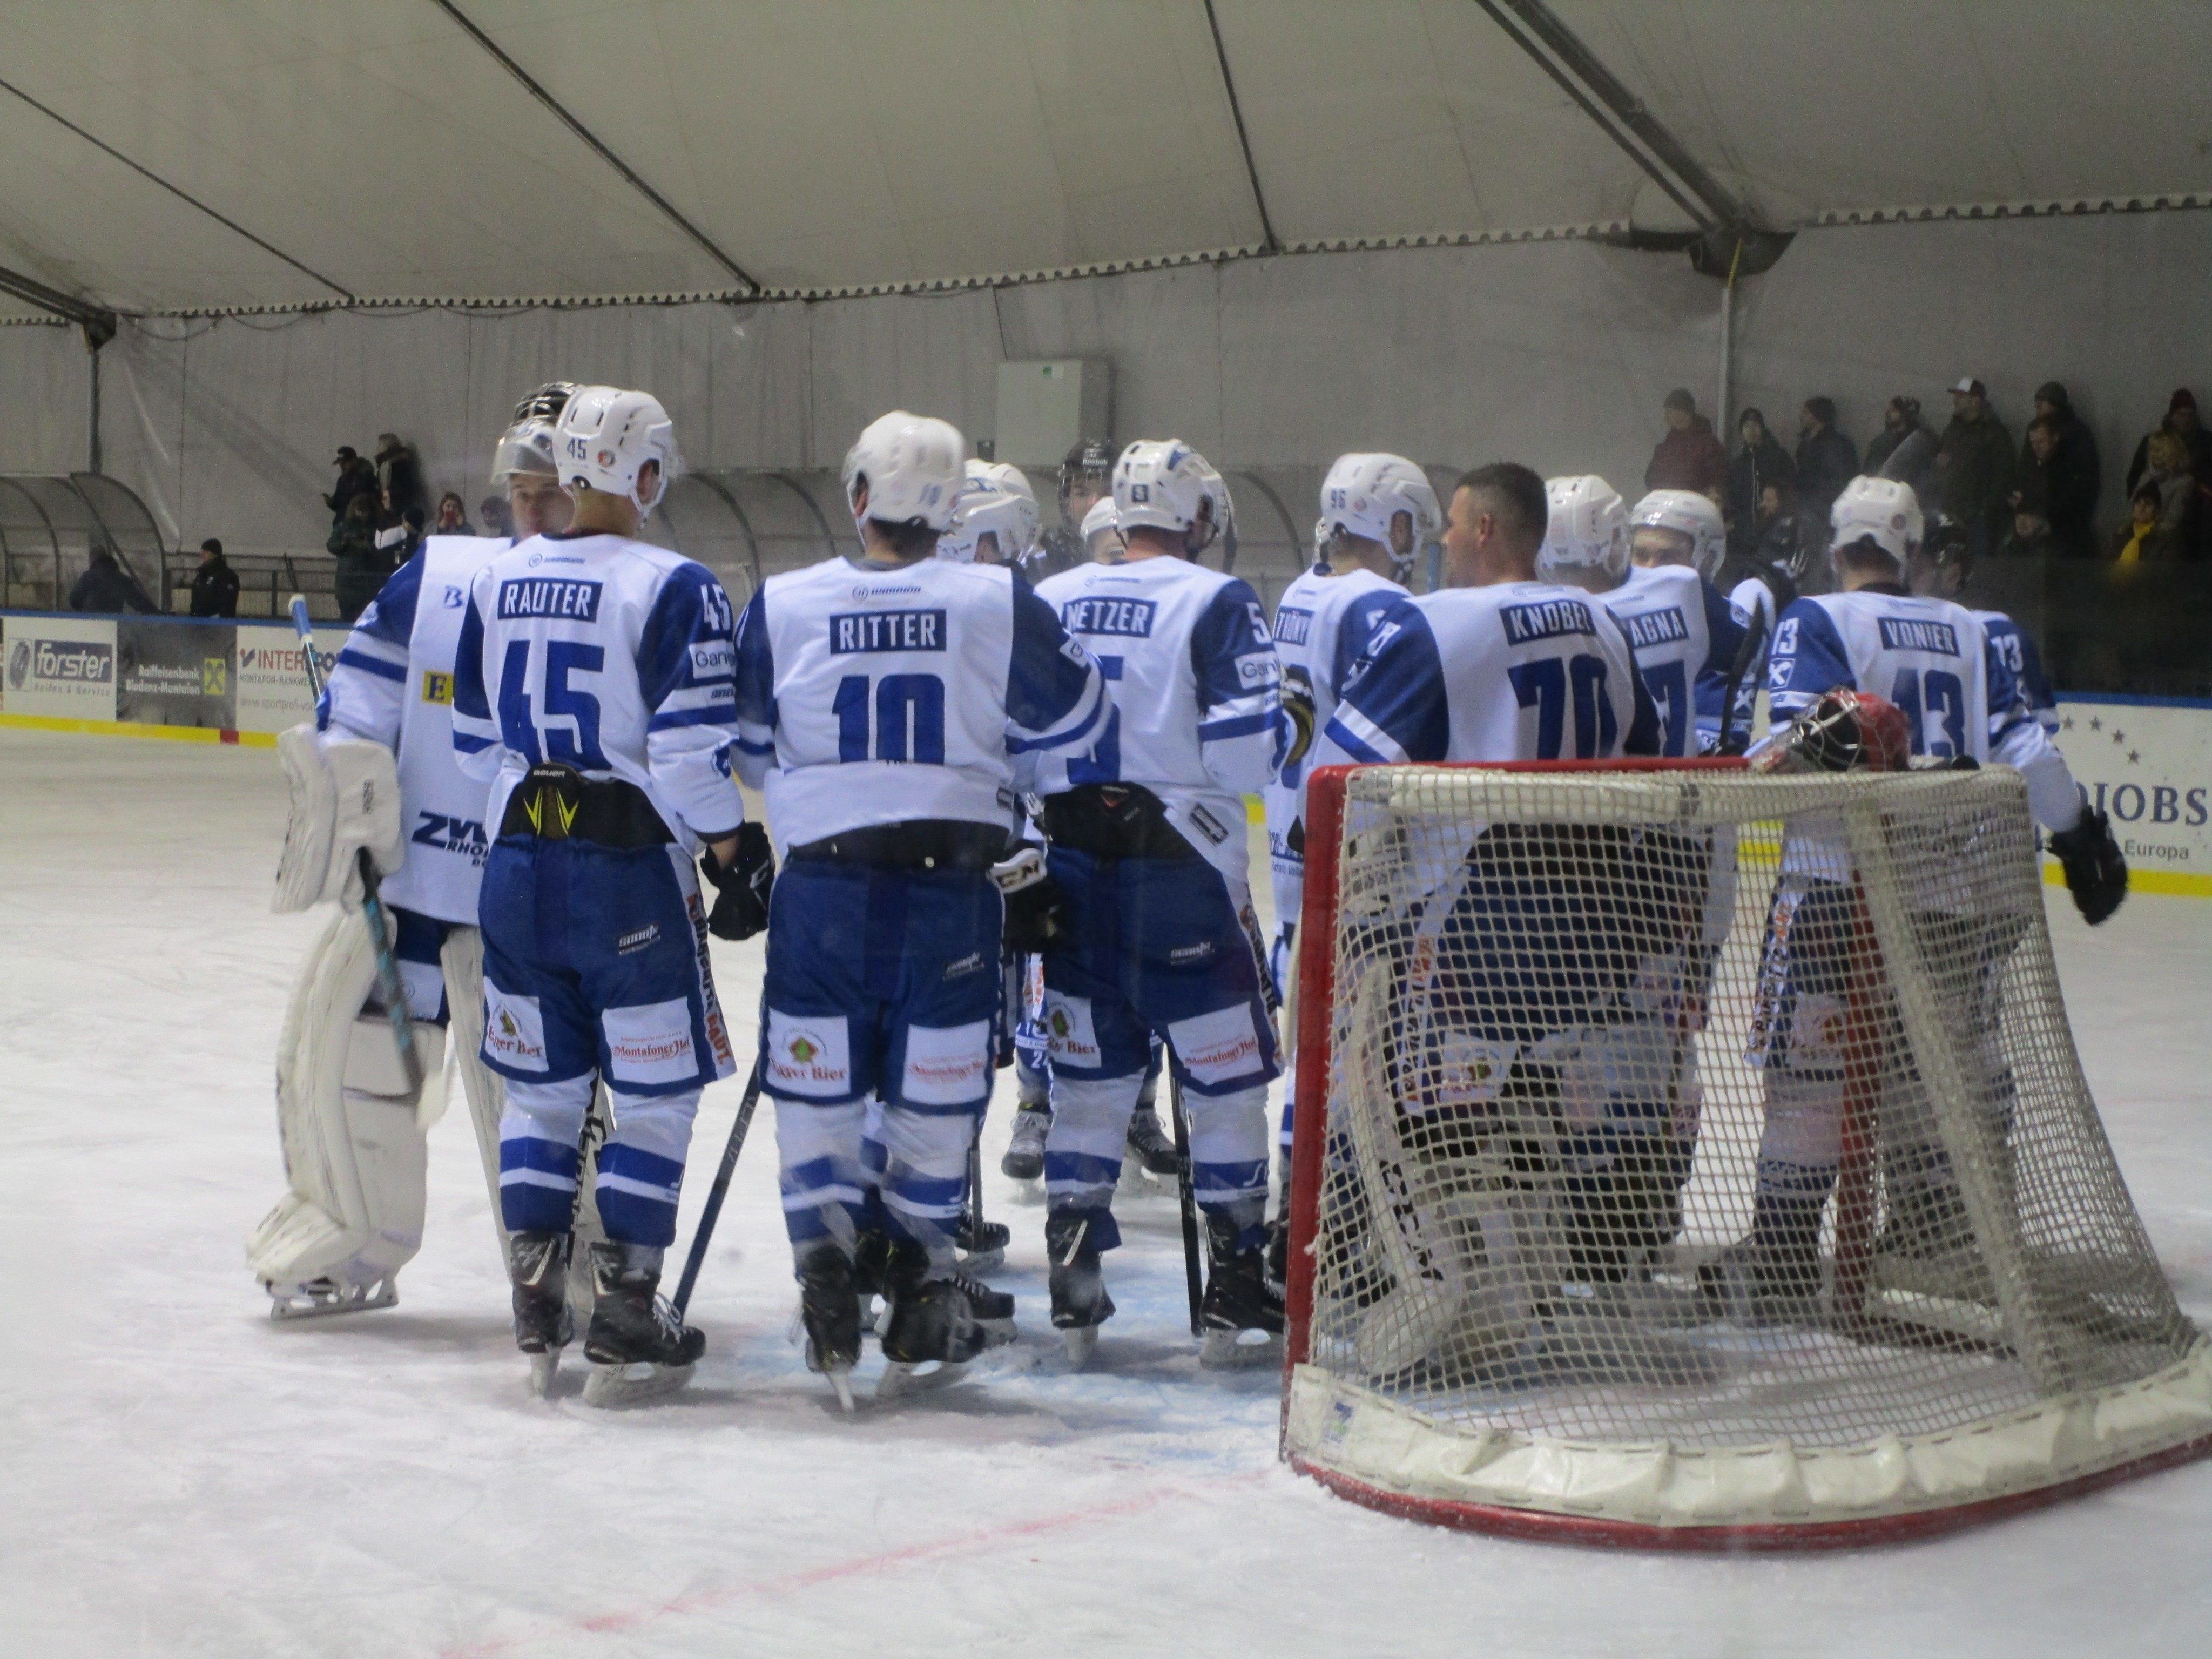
<point>1220,1048</point>
<point>948,1065</point>
<point>650,1042</point>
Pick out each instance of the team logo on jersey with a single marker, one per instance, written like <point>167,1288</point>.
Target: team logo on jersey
<point>1910,633</point>
<point>1549,619</point>
<point>1655,627</point>
<point>548,596</point>
<point>1102,614</point>
<point>437,688</point>
<point>455,597</point>
<point>853,631</point>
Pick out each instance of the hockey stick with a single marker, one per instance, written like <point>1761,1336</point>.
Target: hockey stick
<point>1753,637</point>
<point>717,1193</point>
<point>388,985</point>
<point>1187,1197</point>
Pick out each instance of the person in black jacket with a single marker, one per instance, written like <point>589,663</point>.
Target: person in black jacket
<point>362,566</point>
<point>106,587</point>
<point>215,584</point>
<point>1826,461</point>
<point>2068,470</point>
<point>402,474</point>
<point>1761,462</point>
<point>355,478</point>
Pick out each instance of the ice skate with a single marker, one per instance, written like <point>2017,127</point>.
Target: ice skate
<point>1773,1275</point>
<point>829,1307</point>
<point>638,1347</point>
<point>936,1325</point>
<point>1150,1145</point>
<point>319,1298</point>
<point>1242,1316</point>
<point>1080,1303</point>
<point>983,1246</point>
<point>871,1264</point>
<point>537,1268</point>
<point>1024,1158</point>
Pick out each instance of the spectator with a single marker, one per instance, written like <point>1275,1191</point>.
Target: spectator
<point>402,475</point>
<point>1974,466</point>
<point>2069,469</point>
<point>215,584</point>
<point>1826,461</point>
<point>106,587</point>
<point>1781,539</point>
<point>1689,457</point>
<point>361,568</point>
<point>498,519</point>
<point>2179,516</point>
<point>1905,452</point>
<point>2181,419</point>
<point>1761,461</point>
<point>355,478</point>
<point>452,517</point>
<point>2141,541</point>
<point>2030,534</point>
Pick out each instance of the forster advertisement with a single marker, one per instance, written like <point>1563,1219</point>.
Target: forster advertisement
<point>2150,766</point>
<point>272,680</point>
<point>173,673</point>
<point>59,667</point>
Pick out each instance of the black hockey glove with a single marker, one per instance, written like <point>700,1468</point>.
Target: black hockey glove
<point>741,891</point>
<point>1298,699</point>
<point>2096,874</point>
<point>1035,911</point>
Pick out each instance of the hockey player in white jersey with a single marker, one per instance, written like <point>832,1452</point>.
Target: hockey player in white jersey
<point>376,769</point>
<point>994,517</point>
<point>1937,664</point>
<point>886,703</point>
<point>592,691</point>
<point>1940,571</point>
<point>1148,842</point>
<point>1694,652</point>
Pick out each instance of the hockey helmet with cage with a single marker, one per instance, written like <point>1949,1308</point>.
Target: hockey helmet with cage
<point>1363,496</point>
<point>994,500</point>
<point>1686,514</point>
<point>1878,510</point>
<point>1092,459</point>
<point>910,467</point>
<point>608,436</point>
<point>527,445</point>
<point>1585,532</point>
<point>1165,485</point>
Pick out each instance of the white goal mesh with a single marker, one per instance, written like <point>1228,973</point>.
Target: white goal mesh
<point>1578,1031</point>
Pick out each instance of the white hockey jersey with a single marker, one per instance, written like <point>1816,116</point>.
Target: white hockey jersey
<point>2017,648</point>
<point>609,655</point>
<point>1323,624</point>
<point>1517,671</point>
<point>1192,671</point>
<point>1686,640</point>
<point>392,684</point>
<point>870,696</point>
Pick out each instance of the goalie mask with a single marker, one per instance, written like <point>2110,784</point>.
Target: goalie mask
<point>527,445</point>
<point>995,501</point>
<point>1691,530</point>
<point>1878,510</point>
<point>1165,485</point>
<point>910,468</point>
<point>608,436</point>
<point>1585,535</point>
<point>1846,731</point>
<point>1362,496</point>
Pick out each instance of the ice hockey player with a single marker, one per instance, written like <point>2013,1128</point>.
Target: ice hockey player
<point>1102,533</point>
<point>994,518</point>
<point>1147,841</point>
<point>592,691</point>
<point>1957,700</point>
<point>1086,477</point>
<point>1942,568</point>
<point>1690,647</point>
<point>376,769</point>
<point>887,702</point>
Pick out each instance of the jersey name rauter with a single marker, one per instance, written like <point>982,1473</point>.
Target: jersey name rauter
<point>885,630</point>
<point>1904,633</point>
<point>1526,623</point>
<point>548,596</point>
<point>1655,627</point>
<point>1130,618</point>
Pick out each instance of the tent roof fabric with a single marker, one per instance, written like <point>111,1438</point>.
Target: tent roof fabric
<point>376,151</point>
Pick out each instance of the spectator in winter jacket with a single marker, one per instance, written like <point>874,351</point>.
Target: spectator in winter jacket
<point>1974,468</point>
<point>2181,419</point>
<point>1901,419</point>
<point>1783,539</point>
<point>215,584</point>
<point>452,516</point>
<point>2031,535</point>
<point>362,568</point>
<point>1761,461</point>
<point>2180,512</point>
<point>1826,461</point>
<point>2069,469</point>
<point>1689,457</point>
<point>355,478</point>
<point>402,475</point>
<point>107,587</point>
<point>2140,541</point>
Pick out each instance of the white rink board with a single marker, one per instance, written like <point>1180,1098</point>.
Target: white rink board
<point>2149,765</point>
<point>186,1479</point>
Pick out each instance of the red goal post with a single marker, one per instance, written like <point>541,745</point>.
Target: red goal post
<point>1938,1376</point>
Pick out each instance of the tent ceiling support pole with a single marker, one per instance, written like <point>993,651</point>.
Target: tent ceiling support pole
<point>1273,243</point>
<point>591,142</point>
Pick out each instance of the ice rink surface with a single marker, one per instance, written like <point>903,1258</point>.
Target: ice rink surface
<point>184,1477</point>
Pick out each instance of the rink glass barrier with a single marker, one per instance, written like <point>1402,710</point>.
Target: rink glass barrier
<point>1546,1015</point>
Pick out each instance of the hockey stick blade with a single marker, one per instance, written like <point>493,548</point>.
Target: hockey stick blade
<point>717,1193</point>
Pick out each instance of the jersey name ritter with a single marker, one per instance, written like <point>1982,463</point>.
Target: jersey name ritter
<point>852,631</point>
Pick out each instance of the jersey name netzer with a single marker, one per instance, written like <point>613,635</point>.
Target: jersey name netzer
<point>1129,619</point>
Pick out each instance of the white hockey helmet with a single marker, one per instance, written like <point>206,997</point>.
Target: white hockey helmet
<point>1363,496</point>
<point>994,500</point>
<point>1165,485</point>
<point>1688,514</point>
<point>607,435</point>
<point>527,445</point>
<point>1586,533</point>
<point>1878,510</point>
<point>911,466</point>
<point>1103,519</point>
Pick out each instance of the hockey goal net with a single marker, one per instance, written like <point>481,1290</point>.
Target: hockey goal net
<point>1688,1156</point>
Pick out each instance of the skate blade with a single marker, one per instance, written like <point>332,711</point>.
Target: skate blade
<point>285,1306</point>
<point>543,1368</point>
<point>1080,1342</point>
<point>1228,1351</point>
<point>902,1381</point>
<point>1028,1190</point>
<point>616,1386</point>
<point>980,1262</point>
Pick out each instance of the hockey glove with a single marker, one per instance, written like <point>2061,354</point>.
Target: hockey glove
<point>1035,911</point>
<point>741,891</point>
<point>2096,874</point>
<point>1298,698</point>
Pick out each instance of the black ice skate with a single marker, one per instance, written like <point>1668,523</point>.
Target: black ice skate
<point>935,1326</point>
<point>870,1269</point>
<point>1241,1316</point>
<point>829,1301</point>
<point>638,1347</point>
<point>1024,1158</point>
<point>982,1247</point>
<point>1080,1303</point>
<point>1150,1144</point>
<point>537,1268</point>
<point>1772,1275</point>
